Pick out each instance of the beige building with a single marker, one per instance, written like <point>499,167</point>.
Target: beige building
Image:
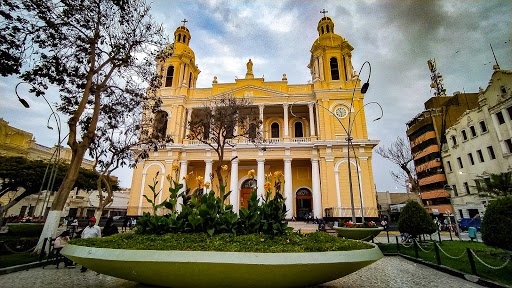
<point>309,145</point>
<point>80,203</point>
<point>390,204</point>
<point>480,143</point>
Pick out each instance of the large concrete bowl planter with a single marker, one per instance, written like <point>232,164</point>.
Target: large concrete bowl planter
<point>366,234</point>
<point>222,269</point>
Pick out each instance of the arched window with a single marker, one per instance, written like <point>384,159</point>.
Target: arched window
<point>249,183</point>
<point>190,80</point>
<point>274,130</point>
<point>160,125</point>
<point>168,78</point>
<point>179,37</point>
<point>185,39</point>
<point>322,30</point>
<point>335,73</point>
<point>327,28</point>
<point>299,130</point>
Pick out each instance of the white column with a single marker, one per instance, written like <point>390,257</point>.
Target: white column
<point>234,197</point>
<point>337,179</point>
<point>183,173</point>
<point>317,114</point>
<point>261,178</point>
<point>185,77</point>
<point>189,117</point>
<point>317,195</point>
<point>288,187</point>
<point>180,76</point>
<point>139,212</point>
<point>285,108</point>
<point>311,119</point>
<point>321,67</point>
<point>262,107</point>
<point>207,172</point>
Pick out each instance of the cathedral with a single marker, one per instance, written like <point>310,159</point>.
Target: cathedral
<point>303,126</point>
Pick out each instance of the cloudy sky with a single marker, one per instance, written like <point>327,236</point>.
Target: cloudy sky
<point>396,37</point>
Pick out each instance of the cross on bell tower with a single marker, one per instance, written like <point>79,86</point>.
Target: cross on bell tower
<point>323,12</point>
<point>184,21</point>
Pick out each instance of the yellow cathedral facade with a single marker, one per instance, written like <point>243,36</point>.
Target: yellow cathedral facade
<point>303,138</point>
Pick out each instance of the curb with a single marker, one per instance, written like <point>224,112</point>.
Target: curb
<point>21,267</point>
<point>453,272</point>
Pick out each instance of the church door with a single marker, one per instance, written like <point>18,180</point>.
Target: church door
<point>245,191</point>
<point>304,203</point>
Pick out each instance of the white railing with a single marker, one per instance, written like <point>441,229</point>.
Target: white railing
<point>347,212</point>
<point>301,140</point>
<point>274,140</point>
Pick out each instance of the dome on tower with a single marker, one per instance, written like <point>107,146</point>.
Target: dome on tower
<point>326,35</point>
<point>181,41</point>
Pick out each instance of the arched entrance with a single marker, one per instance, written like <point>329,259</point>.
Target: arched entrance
<point>245,191</point>
<point>304,203</point>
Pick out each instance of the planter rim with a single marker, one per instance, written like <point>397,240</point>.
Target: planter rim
<point>221,257</point>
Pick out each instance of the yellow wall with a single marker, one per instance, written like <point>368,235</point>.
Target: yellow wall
<point>329,143</point>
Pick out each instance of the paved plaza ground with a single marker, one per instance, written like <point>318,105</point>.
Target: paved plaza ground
<point>387,272</point>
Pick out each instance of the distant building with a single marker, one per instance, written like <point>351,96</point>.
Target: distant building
<point>426,133</point>
<point>15,142</point>
<point>479,143</point>
<point>391,204</point>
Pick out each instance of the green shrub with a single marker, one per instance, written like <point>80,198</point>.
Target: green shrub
<point>25,229</point>
<point>227,242</point>
<point>415,220</point>
<point>207,213</point>
<point>497,223</point>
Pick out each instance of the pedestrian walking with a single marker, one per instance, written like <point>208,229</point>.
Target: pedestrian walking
<point>91,231</point>
<point>110,228</point>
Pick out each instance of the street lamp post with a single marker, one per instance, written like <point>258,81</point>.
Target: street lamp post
<point>55,155</point>
<point>349,138</point>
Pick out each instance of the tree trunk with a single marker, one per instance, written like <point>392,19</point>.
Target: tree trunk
<point>98,214</point>
<point>52,221</point>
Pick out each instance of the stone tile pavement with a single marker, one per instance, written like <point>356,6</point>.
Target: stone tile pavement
<point>387,272</point>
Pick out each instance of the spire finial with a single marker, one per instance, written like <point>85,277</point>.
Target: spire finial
<point>323,11</point>
<point>184,21</point>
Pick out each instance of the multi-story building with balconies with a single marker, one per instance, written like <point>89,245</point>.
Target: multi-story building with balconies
<point>308,145</point>
<point>426,133</point>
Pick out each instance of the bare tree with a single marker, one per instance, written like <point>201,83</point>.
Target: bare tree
<point>399,152</point>
<point>221,123</point>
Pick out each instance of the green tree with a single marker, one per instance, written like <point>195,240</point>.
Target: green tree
<point>415,220</point>
<point>497,223</point>
<point>496,184</point>
<point>98,53</point>
<point>26,178</point>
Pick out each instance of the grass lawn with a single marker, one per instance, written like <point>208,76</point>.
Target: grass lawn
<point>17,259</point>
<point>492,256</point>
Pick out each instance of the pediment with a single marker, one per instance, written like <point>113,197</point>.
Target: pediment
<point>252,90</point>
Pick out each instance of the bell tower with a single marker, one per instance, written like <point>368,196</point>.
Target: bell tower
<point>177,63</point>
<point>331,58</point>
